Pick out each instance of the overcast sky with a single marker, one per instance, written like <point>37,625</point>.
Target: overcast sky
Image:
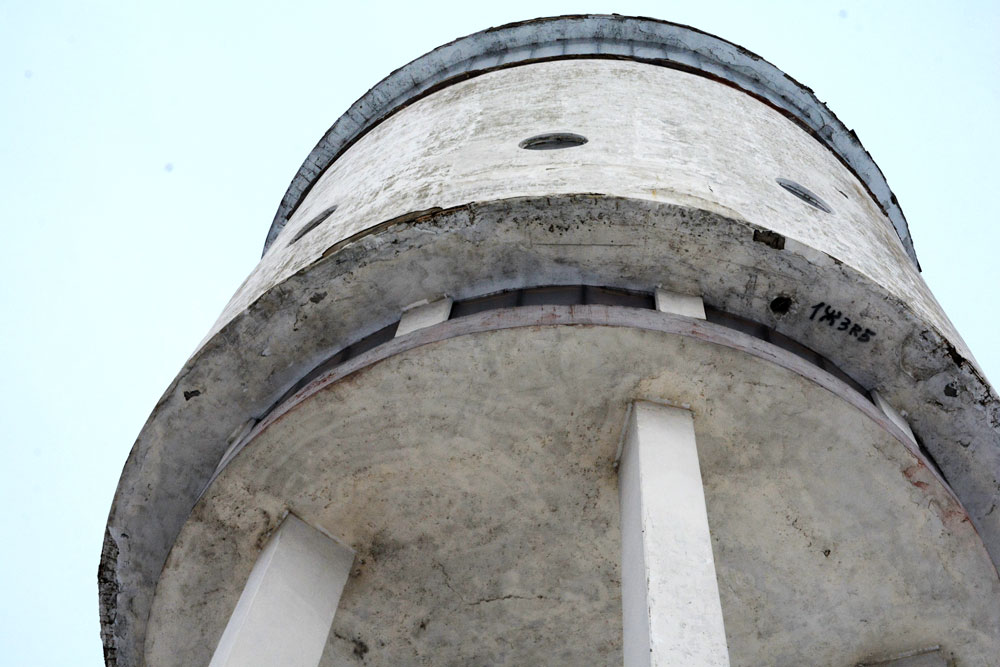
<point>144,148</point>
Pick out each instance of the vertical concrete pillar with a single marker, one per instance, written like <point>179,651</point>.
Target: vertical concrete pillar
<point>670,598</point>
<point>286,609</point>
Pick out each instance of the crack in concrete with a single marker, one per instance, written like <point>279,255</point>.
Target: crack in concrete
<point>512,596</point>
<point>447,582</point>
<point>507,597</point>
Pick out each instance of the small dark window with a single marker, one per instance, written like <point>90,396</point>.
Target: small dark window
<point>781,305</point>
<point>804,194</point>
<point>552,141</point>
<point>314,223</point>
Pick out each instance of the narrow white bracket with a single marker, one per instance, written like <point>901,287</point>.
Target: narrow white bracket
<point>423,314</point>
<point>286,609</point>
<point>679,304</point>
<point>672,614</point>
<point>893,414</point>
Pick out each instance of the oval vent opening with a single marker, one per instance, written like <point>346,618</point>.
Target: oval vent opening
<point>804,194</point>
<point>314,223</point>
<point>552,141</point>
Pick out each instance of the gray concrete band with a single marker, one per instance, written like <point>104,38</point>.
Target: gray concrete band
<point>593,36</point>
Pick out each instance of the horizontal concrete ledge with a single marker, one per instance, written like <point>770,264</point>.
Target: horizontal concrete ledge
<point>596,315</point>
<point>593,36</point>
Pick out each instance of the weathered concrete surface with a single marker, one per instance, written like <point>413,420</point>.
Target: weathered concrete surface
<point>642,39</point>
<point>364,285</point>
<point>485,504</point>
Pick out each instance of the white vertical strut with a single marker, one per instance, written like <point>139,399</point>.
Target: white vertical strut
<point>680,304</point>
<point>423,314</point>
<point>286,609</point>
<point>670,597</point>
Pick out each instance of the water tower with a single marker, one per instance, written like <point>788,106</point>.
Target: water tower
<point>577,341</point>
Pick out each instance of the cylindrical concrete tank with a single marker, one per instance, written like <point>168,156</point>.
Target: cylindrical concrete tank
<point>575,341</point>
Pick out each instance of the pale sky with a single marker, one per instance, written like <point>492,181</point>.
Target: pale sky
<point>144,147</point>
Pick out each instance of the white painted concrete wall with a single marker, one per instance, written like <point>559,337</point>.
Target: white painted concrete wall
<point>670,598</point>
<point>669,137</point>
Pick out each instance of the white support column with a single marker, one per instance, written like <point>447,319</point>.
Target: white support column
<point>893,414</point>
<point>286,609</point>
<point>423,314</point>
<point>670,597</point>
<point>679,304</point>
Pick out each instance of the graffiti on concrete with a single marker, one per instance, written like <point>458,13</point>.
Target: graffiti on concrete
<point>824,313</point>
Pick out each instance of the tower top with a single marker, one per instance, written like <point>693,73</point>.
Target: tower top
<point>594,36</point>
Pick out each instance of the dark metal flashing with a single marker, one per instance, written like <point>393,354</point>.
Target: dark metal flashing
<point>594,36</point>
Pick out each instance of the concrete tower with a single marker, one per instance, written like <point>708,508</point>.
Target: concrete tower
<point>577,341</point>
